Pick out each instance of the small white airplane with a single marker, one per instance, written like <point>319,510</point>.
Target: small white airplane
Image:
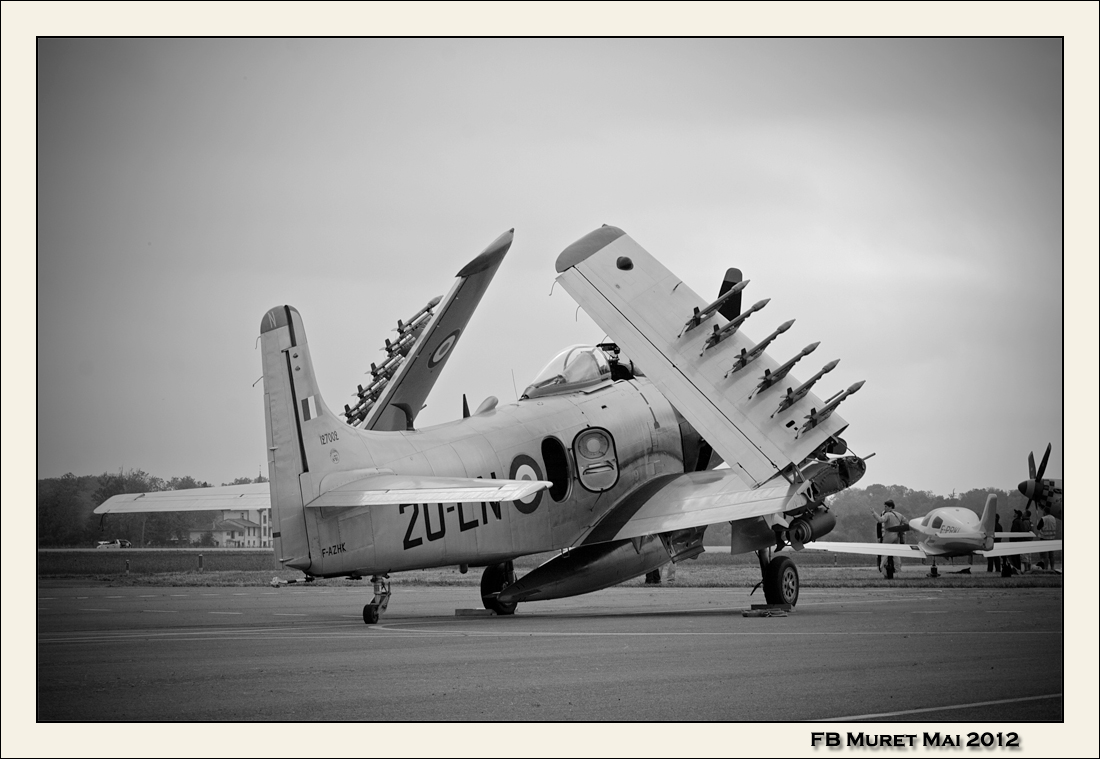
<point>949,531</point>
<point>1043,492</point>
<point>611,468</point>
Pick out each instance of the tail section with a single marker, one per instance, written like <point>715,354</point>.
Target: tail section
<point>297,420</point>
<point>989,520</point>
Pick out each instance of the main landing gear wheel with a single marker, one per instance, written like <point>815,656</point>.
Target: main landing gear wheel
<point>494,579</point>
<point>781,581</point>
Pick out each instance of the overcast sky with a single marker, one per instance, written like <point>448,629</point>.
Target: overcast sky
<point>901,198</point>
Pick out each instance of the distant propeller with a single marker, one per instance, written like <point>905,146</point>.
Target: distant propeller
<point>1033,485</point>
<point>1042,465</point>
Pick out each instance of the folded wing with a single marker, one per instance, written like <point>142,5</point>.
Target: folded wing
<point>707,367</point>
<point>404,395</point>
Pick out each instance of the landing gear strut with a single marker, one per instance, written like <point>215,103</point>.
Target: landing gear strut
<point>780,579</point>
<point>496,578</point>
<point>374,609</point>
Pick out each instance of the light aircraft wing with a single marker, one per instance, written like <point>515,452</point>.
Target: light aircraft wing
<point>1024,546</point>
<point>643,307</point>
<point>404,395</point>
<point>913,550</point>
<point>382,489</point>
<point>253,496</point>
<point>679,501</point>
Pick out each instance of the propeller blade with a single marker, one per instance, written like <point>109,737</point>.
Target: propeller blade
<point>1031,465</point>
<point>1042,465</point>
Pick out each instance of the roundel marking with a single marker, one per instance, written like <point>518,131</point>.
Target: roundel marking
<point>443,349</point>
<point>526,468</point>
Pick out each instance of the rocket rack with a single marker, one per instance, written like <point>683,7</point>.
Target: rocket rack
<point>408,332</point>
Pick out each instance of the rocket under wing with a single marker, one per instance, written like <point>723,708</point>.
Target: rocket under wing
<point>714,383</point>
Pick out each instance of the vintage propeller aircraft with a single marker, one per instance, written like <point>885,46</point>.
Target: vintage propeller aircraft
<point>946,532</point>
<point>611,468</point>
<point>1044,493</point>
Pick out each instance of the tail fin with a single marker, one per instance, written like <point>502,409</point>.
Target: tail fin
<point>294,410</point>
<point>989,519</point>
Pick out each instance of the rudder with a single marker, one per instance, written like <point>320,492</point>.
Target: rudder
<point>291,400</point>
<point>989,520</point>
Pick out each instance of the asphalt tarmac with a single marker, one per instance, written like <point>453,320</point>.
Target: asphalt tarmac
<point>624,654</point>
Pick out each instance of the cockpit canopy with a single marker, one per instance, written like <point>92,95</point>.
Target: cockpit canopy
<point>576,367</point>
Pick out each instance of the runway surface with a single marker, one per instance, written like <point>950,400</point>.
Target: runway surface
<point>623,654</point>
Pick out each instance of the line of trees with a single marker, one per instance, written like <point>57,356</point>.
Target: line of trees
<point>66,506</point>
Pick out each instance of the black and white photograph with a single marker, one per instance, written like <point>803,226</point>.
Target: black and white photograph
<point>599,375</point>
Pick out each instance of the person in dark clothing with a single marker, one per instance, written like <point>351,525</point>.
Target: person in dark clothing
<point>1016,527</point>
<point>889,518</point>
<point>994,562</point>
<point>1025,526</point>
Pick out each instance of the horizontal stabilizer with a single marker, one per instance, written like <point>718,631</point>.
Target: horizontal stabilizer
<point>391,489</point>
<point>679,501</point>
<point>253,496</point>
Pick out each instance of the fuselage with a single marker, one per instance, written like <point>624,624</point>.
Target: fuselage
<point>545,438</point>
<point>950,531</point>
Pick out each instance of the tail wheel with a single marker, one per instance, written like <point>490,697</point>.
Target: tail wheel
<point>494,579</point>
<point>781,581</point>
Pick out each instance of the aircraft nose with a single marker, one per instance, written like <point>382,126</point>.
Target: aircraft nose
<point>857,467</point>
<point>1027,487</point>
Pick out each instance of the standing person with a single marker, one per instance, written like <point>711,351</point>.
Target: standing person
<point>878,537</point>
<point>887,519</point>
<point>1048,530</point>
<point>1017,518</point>
<point>994,562</point>
<point>1025,526</point>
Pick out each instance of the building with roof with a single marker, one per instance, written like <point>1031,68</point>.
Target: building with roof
<point>243,528</point>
